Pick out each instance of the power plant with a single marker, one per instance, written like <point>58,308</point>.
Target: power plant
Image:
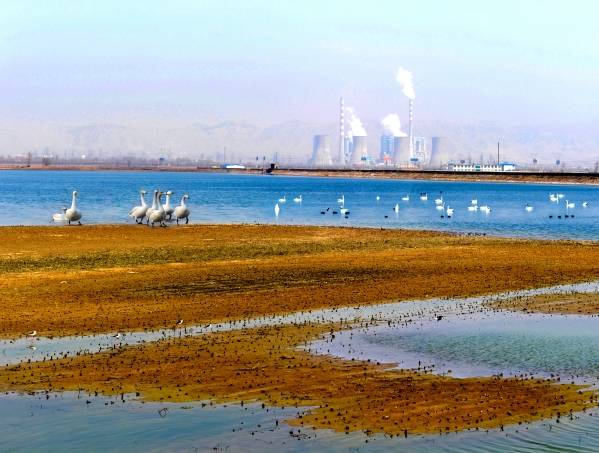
<point>322,150</point>
<point>438,152</point>
<point>359,155</point>
<point>402,151</point>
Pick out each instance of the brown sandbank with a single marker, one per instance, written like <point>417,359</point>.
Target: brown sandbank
<point>92,279</point>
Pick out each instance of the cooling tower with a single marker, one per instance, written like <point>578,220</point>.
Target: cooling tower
<point>359,150</point>
<point>438,152</point>
<point>322,150</point>
<point>402,153</point>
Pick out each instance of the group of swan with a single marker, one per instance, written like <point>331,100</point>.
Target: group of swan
<point>157,212</point>
<point>284,199</point>
<point>69,215</point>
<point>553,197</point>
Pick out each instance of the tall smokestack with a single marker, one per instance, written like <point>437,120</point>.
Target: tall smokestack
<point>410,131</point>
<point>342,136</point>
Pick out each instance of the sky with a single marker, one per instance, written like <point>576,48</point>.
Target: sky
<point>509,62</point>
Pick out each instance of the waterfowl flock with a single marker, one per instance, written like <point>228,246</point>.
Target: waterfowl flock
<point>155,214</point>
<point>440,204</point>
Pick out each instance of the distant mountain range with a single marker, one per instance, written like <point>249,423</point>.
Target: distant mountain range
<point>292,140</point>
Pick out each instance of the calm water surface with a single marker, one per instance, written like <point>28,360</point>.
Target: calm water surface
<point>31,198</point>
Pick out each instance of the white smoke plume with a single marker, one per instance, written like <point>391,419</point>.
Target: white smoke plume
<point>404,78</point>
<point>355,124</point>
<point>392,126</point>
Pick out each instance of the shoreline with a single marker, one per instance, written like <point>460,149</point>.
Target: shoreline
<point>557,178</point>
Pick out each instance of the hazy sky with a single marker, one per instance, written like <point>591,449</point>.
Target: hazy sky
<point>510,62</point>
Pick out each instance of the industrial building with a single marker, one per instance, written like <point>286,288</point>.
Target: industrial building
<point>359,155</point>
<point>321,150</point>
<point>482,167</point>
<point>438,152</point>
<point>401,151</point>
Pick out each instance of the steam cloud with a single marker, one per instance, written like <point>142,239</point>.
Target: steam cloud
<point>355,124</point>
<point>404,78</point>
<point>392,125</point>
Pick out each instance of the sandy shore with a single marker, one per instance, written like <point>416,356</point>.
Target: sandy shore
<point>101,279</point>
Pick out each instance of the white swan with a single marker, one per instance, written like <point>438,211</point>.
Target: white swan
<point>343,210</point>
<point>152,208</point>
<point>158,214</point>
<point>277,209</point>
<point>424,197</point>
<point>472,208</point>
<point>168,209</point>
<point>73,214</point>
<point>485,208</point>
<point>560,195</point>
<point>528,208</point>
<point>60,217</point>
<point>569,205</point>
<point>475,201</point>
<point>284,199</point>
<point>378,198</point>
<point>139,212</point>
<point>341,200</point>
<point>396,208</point>
<point>439,200</point>
<point>553,197</point>
<point>441,206</point>
<point>298,199</point>
<point>449,210</point>
<point>182,212</point>
<point>406,198</point>
<point>585,204</point>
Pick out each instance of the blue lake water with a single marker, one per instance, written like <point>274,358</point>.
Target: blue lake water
<point>31,197</point>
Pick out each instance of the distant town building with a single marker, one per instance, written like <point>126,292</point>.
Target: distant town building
<point>482,167</point>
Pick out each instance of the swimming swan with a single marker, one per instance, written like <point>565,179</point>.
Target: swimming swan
<point>441,206</point>
<point>528,208</point>
<point>341,200</point>
<point>277,209</point>
<point>449,210</point>
<point>158,214</point>
<point>60,217</point>
<point>139,212</point>
<point>284,199</point>
<point>569,205</point>
<point>424,197</point>
<point>439,200</point>
<point>406,198</point>
<point>396,208</point>
<point>298,199</point>
<point>475,201</point>
<point>182,212</point>
<point>472,208</point>
<point>73,214</point>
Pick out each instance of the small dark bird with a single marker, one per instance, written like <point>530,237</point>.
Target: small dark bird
<point>328,208</point>
<point>439,317</point>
